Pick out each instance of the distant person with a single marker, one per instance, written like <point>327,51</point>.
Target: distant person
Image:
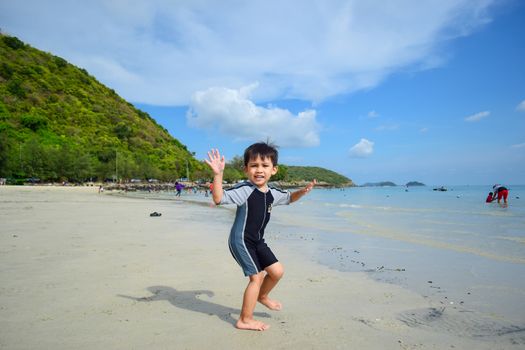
<point>178,187</point>
<point>254,200</point>
<point>500,191</point>
<point>489,198</point>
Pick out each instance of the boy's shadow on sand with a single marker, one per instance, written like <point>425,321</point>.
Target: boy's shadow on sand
<point>189,300</point>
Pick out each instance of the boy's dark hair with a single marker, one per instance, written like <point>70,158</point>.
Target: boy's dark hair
<point>263,150</point>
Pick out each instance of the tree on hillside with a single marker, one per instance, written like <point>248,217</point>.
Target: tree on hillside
<point>58,122</point>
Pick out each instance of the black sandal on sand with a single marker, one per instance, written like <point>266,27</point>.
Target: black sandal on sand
<point>155,214</point>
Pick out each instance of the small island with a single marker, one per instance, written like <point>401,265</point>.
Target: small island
<point>379,184</point>
<point>414,183</point>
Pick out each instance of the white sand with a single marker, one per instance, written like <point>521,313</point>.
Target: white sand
<point>74,265</point>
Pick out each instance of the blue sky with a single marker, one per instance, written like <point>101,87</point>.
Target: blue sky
<point>432,91</point>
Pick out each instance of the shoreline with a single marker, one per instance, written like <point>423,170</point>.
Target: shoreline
<point>86,270</point>
<point>462,278</point>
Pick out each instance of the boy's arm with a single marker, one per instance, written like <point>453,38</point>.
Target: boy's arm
<point>216,163</point>
<point>295,196</point>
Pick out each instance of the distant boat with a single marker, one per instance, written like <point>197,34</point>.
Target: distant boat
<point>442,188</point>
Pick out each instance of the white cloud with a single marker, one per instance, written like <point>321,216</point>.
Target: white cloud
<point>521,106</point>
<point>232,113</point>
<point>423,130</point>
<point>477,117</point>
<point>164,50</point>
<point>362,149</point>
<point>519,145</point>
<point>372,114</point>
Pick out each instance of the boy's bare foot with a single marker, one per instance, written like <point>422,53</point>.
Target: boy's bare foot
<point>252,325</point>
<point>271,304</point>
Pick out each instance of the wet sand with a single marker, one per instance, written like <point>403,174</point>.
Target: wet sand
<point>85,270</point>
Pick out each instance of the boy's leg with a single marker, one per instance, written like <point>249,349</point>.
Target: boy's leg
<point>251,293</point>
<point>274,273</point>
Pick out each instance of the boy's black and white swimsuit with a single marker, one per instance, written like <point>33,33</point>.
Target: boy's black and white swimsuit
<point>246,240</point>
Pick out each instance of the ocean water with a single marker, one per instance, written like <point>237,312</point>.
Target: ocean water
<point>462,254</point>
<point>457,220</point>
<point>451,247</point>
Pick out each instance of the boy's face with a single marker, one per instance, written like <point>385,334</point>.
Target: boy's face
<point>259,170</point>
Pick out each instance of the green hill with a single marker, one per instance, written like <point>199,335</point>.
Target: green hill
<point>289,175</point>
<point>308,173</point>
<point>58,123</point>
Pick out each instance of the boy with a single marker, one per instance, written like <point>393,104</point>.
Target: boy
<point>254,200</point>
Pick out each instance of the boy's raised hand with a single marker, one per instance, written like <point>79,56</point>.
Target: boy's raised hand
<point>295,196</point>
<point>215,161</point>
<point>310,185</point>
